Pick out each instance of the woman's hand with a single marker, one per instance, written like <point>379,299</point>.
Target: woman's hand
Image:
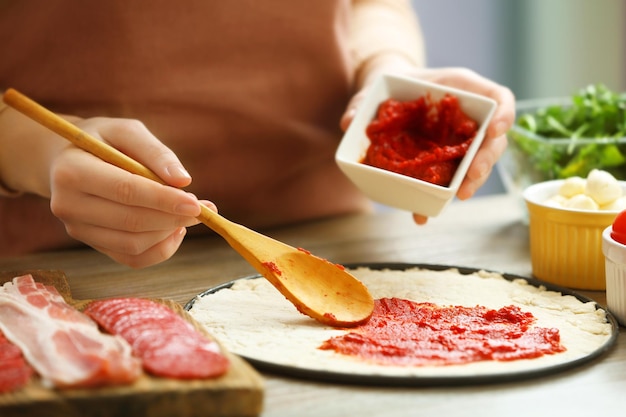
<point>495,141</point>
<point>133,220</point>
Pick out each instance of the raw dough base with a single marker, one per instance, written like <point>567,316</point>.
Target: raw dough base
<point>254,320</point>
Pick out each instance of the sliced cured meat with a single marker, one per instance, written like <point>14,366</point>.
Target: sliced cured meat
<point>168,345</point>
<point>64,346</point>
<point>14,371</point>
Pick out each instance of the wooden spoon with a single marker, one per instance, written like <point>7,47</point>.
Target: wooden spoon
<point>318,288</point>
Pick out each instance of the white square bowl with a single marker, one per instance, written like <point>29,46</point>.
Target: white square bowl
<point>397,190</point>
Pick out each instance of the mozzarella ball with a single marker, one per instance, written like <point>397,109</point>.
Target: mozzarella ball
<point>602,187</point>
<point>572,186</point>
<point>615,205</point>
<point>556,201</point>
<point>581,202</point>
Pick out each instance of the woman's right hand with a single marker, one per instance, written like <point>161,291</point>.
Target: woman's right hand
<point>133,220</point>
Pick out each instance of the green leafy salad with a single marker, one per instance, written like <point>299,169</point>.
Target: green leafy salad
<point>565,140</point>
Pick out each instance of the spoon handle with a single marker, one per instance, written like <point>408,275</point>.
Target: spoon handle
<point>78,137</point>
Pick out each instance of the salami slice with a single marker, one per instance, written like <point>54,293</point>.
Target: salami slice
<point>168,345</point>
<point>14,371</point>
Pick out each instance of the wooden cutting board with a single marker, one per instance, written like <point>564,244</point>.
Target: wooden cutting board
<point>237,393</point>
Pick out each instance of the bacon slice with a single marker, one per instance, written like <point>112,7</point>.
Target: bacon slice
<point>168,345</point>
<point>63,345</point>
<point>14,371</point>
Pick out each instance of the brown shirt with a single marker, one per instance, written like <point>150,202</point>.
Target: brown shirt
<point>248,93</point>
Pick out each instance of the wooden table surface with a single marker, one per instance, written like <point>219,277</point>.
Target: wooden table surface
<point>484,232</point>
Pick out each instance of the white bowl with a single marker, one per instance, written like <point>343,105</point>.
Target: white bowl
<point>615,262</point>
<point>397,190</point>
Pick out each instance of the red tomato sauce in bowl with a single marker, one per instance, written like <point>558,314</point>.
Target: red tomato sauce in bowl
<point>422,138</point>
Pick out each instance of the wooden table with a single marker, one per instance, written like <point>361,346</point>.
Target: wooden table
<point>485,232</point>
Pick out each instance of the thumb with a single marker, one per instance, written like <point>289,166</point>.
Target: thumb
<point>351,110</point>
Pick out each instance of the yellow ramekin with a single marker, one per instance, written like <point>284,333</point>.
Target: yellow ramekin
<point>566,244</point>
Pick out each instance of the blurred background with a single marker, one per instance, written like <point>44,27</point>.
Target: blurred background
<point>537,48</point>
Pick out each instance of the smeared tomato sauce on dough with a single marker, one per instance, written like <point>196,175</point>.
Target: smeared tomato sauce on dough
<point>405,333</point>
<point>422,138</point>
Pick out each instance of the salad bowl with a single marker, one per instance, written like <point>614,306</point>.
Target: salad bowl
<point>558,138</point>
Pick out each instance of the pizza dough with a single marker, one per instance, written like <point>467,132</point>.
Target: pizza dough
<point>254,320</point>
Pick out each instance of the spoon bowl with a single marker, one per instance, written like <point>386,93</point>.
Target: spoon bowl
<point>316,287</point>
<point>320,289</point>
